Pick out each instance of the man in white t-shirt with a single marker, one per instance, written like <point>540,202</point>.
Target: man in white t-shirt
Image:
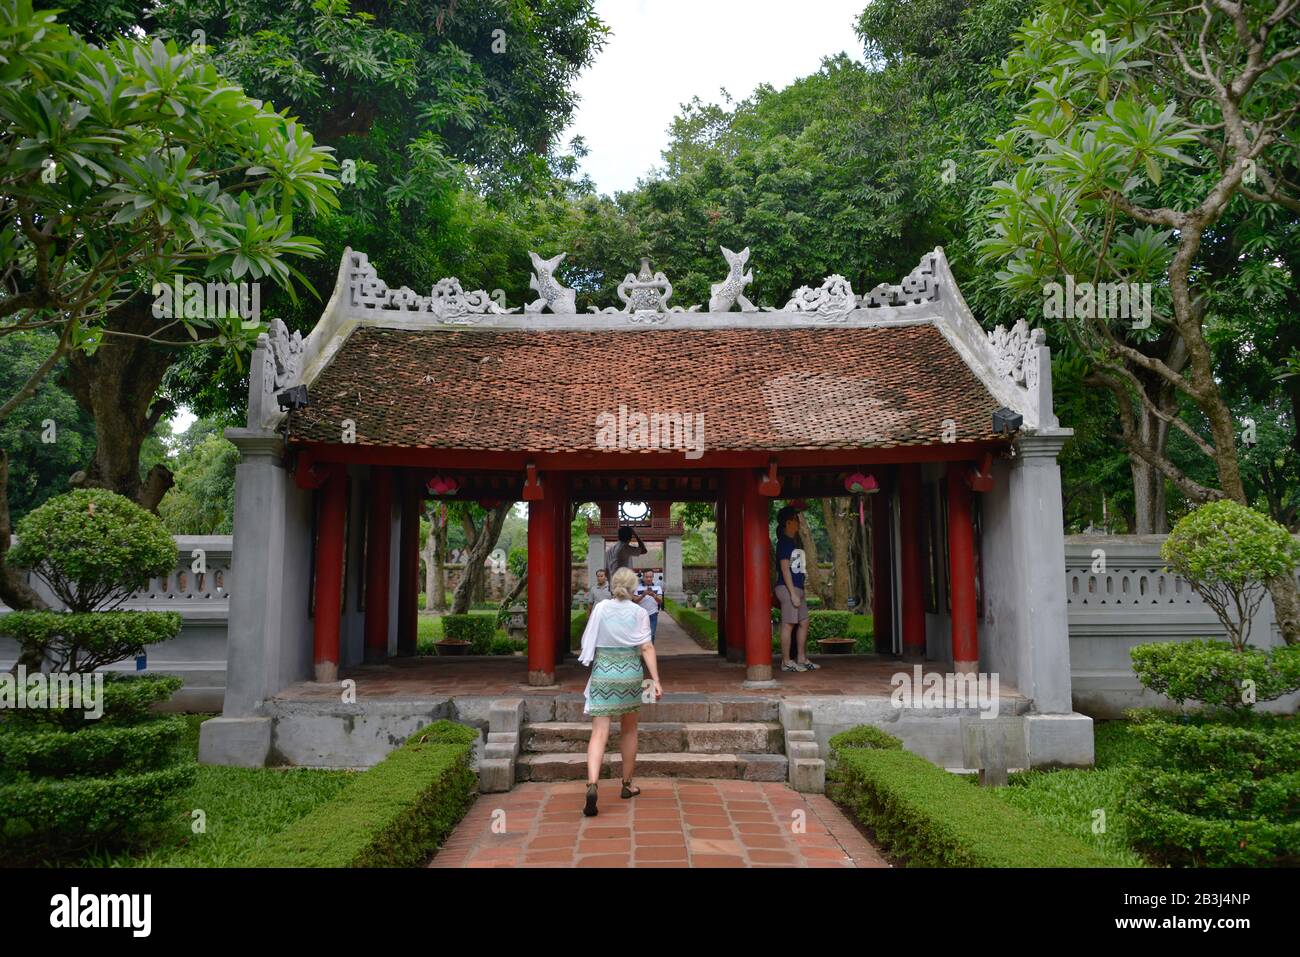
<point>650,596</point>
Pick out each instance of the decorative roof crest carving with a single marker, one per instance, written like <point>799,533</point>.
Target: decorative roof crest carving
<point>561,299</point>
<point>831,302</point>
<point>723,295</point>
<point>1016,353</point>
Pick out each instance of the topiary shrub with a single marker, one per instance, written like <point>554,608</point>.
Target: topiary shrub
<point>69,779</point>
<point>85,641</point>
<point>1216,673</point>
<point>93,548</point>
<point>1216,794</point>
<point>478,630</point>
<point>96,750</point>
<point>827,624</point>
<point>1227,553</point>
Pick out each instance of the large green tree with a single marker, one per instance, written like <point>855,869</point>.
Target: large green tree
<point>1155,144</point>
<point>122,167</point>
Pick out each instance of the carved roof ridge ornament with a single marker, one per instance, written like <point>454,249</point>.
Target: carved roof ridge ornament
<point>917,286</point>
<point>832,301</point>
<point>447,300</point>
<point>284,354</point>
<point>451,303</point>
<point>561,299</point>
<point>645,297</point>
<point>723,295</point>
<point>1015,353</point>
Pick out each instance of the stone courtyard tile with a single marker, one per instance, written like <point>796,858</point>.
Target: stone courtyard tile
<point>686,823</point>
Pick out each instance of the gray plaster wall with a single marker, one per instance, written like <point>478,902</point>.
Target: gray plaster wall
<point>1119,596</point>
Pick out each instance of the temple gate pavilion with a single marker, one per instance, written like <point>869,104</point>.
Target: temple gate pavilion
<point>394,394</point>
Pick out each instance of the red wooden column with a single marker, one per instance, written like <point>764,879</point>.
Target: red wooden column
<point>735,583</point>
<point>961,571</point>
<point>909,556</point>
<point>408,586</point>
<point>542,568</point>
<point>882,560</point>
<point>758,585</point>
<point>558,496</point>
<point>379,540</point>
<point>329,575</point>
<point>720,570</point>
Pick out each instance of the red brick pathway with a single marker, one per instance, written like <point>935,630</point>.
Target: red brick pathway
<point>674,822</point>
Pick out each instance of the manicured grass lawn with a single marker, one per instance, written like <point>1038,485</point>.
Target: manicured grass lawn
<point>242,809</point>
<point>1069,799</point>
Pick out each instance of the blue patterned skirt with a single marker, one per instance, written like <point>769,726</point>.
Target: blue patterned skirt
<point>615,684</point>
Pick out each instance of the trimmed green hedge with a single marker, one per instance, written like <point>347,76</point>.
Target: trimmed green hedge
<point>59,814</point>
<point>828,624</point>
<point>864,736</point>
<point>1217,794</point>
<point>393,815</point>
<point>478,630</point>
<point>94,750</point>
<point>926,817</point>
<point>699,626</point>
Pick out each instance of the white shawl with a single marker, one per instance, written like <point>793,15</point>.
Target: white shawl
<point>625,624</point>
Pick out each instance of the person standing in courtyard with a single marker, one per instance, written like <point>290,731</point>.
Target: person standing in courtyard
<point>651,598</point>
<point>620,554</point>
<point>615,643</point>
<point>600,591</point>
<point>789,592</point>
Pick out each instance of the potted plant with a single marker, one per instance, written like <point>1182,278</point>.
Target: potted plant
<point>828,629</point>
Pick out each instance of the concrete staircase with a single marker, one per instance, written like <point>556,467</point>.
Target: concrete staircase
<point>681,736</point>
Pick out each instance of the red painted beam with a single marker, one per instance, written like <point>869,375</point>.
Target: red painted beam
<point>961,572</point>
<point>542,571</point>
<point>910,541</point>
<point>329,575</point>
<point>758,585</point>
<point>379,538</point>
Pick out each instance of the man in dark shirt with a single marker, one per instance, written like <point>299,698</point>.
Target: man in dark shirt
<point>620,554</point>
<point>789,591</point>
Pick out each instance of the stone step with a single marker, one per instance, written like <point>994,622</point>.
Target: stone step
<point>573,767</point>
<point>661,737</point>
<point>687,709</point>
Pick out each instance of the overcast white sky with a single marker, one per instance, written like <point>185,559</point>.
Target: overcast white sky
<point>660,53</point>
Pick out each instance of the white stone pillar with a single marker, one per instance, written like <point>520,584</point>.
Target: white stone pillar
<point>673,587</point>
<point>1038,544</point>
<point>595,559</point>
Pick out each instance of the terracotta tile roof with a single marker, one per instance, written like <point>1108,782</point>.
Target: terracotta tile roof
<point>542,391</point>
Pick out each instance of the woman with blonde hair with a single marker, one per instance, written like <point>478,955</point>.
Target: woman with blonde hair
<point>616,640</point>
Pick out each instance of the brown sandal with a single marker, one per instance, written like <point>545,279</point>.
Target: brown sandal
<point>590,809</point>
<point>628,790</point>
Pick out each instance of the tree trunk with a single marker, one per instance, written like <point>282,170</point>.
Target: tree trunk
<point>866,548</point>
<point>438,532</point>
<point>838,515</point>
<point>117,385</point>
<point>813,584</point>
<point>1150,510</point>
<point>14,590</point>
<point>430,569</point>
<point>483,542</point>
